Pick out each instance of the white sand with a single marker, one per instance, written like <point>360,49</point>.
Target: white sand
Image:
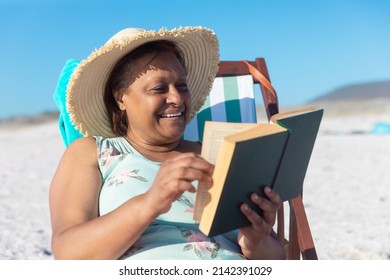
<point>346,192</point>
<point>28,159</point>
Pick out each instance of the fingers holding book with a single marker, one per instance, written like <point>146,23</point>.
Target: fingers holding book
<point>258,233</point>
<point>174,177</point>
<point>261,225</point>
<point>271,205</point>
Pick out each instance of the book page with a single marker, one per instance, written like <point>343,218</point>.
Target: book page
<point>214,132</point>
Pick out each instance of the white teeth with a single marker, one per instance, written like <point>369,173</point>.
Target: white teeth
<point>171,115</point>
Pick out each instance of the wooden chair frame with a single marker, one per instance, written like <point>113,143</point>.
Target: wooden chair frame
<point>300,242</point>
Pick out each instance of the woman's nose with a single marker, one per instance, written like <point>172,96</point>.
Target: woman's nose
<point>174,96</point>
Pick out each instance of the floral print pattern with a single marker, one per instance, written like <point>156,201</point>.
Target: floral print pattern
<point>122,177</point>
<point>106,155</point>
<point>188,201</point>
<point>199,244</point>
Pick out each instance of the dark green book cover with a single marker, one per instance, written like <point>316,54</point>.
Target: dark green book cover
<point>303,130</point>
<point>253,166</point>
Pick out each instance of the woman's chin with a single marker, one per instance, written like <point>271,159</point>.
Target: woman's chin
<point>174,135</point>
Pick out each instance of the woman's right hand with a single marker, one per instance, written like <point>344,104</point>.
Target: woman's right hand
<point>174,177</point>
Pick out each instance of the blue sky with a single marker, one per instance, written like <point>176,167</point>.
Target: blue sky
<point>311,47</point>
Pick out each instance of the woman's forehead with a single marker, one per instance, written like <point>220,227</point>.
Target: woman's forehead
<point>164,61</point>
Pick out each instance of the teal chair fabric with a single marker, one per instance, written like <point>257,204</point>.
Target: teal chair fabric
<point>231,100</point>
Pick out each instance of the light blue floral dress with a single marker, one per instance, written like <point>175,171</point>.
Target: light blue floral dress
<point>173,235</point>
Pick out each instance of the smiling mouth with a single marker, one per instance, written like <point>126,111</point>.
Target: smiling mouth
<point>173,115</point>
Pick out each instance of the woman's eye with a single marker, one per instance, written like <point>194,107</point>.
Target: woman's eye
<point>159,89</point>
<point>182,86</point>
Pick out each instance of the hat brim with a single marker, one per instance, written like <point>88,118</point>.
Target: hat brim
<point>86,87</point>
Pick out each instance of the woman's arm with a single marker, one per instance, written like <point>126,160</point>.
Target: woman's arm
<point>78,232</point>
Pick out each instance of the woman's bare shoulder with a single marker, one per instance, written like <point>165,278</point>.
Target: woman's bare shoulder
<point>82,148</point>
<point>78,161</point>
<point>83,141</point>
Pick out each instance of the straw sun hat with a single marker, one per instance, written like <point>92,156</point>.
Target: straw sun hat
<point>87,84</point>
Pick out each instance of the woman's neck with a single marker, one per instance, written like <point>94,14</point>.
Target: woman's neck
<point>162,152</point>
<point>155,152</point>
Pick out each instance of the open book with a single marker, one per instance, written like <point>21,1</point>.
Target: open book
<point>247,158</point>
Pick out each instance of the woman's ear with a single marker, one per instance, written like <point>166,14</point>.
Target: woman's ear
<point>119,100</point>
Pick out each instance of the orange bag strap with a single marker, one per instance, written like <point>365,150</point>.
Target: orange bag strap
<point>260,78</point>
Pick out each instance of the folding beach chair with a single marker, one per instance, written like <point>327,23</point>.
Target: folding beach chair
<point>232,99</point>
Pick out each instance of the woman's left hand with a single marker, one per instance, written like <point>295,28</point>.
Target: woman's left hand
<point>255,240</point>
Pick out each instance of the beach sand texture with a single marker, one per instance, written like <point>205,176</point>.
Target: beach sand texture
<point>346,191</point>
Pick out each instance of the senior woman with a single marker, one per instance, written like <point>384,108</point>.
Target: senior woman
<point>124,190</point>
